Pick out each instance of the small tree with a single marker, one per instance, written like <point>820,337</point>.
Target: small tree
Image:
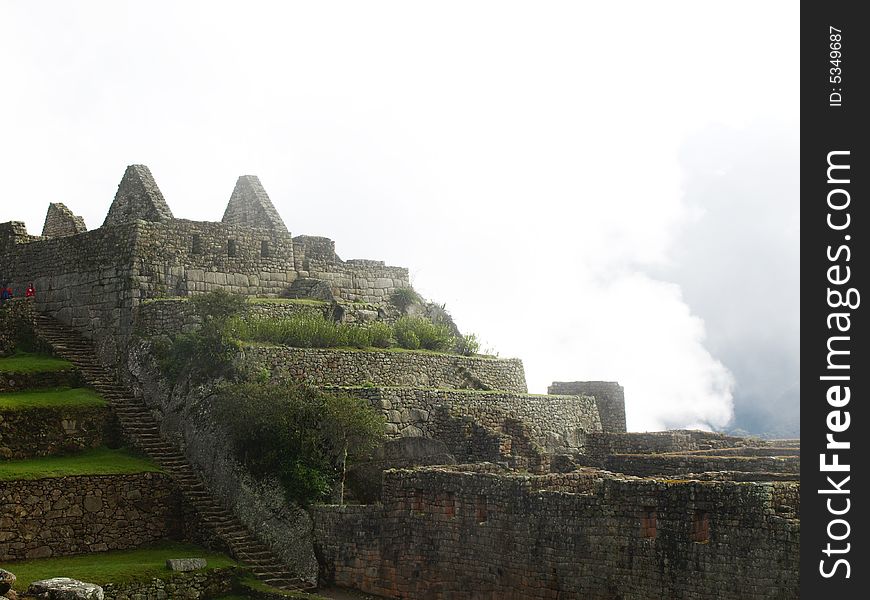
<point>301,435</point>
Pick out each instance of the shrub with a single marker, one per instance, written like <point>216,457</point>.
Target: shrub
<point>219,305</point>
<point>404,298</point>
<point>381,334</point>
<point>418,332</point>
<point>301,435</point>
<point>208,352</point>
<point>467,345</point>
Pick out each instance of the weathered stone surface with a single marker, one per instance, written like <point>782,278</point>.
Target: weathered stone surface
<point>138,198</point>
<point>331,367</point>
<point>60,221</point>
<point>185,564</point>
<point>64,588</point>
<point>43,431</point>
<point>446,532</point>
<point>250,205</point>
<point>609,396</point>
<point>186,414</point>
<point>7,580</point>
<point>74,515</point>
<point>195,585</point>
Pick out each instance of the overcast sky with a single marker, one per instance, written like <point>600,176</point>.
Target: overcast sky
<point>606,190</point>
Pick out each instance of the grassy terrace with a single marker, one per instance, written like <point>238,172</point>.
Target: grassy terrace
<point>102,461</point>
<point>112,567</point>
<point>28,362</point>
<point>51,398</point>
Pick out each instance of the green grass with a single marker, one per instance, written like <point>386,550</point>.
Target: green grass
<point>101,461</point>
<point>51,398</point>
<point>28,362</point>
<point>112,567</point>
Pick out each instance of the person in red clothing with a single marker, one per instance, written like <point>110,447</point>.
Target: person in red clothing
<point>30,292</point>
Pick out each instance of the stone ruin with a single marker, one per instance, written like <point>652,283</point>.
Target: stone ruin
<point>482,489</point>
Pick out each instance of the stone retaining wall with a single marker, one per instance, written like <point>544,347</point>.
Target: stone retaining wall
<point>607,443</point>
<point>447,534</point>
<point>644,465</point>
<point>609,396</point>
<point>556,423</point>
<point>330,367</point>
<point>48,431</point>
<point>195,585</point>
<point>74,515</point>
<point>17,382</point>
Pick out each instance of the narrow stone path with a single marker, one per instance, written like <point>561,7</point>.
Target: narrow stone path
<point>142,431</point>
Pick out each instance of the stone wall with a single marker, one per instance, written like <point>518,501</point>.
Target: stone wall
<point>681,464</point>
<point>186,419</point>
<point>607,443</point>
<point>73,515</point>
<point>60,221</point>
<point>461,535</point>
<point>330,367</point>
<point>556,423</point>
<point>48,431</point>
<point>84,280</point>
<point>93,280</point>
<point>179,257</point>
<point>194,585</point>
<point>13,382</point>
<point>609,396</point>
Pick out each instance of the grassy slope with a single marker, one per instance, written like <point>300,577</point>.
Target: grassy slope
<point>112,567</point>
<point>27,362</point>
<point>101,461</point>
<point>51,398</point>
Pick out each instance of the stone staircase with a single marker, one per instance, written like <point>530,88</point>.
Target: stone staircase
<point>142,431</point>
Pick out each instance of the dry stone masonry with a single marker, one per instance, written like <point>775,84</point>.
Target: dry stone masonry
<point>330,367</point>
<point>72,515</point>
<point>60,221</point>
<point>448,533</point>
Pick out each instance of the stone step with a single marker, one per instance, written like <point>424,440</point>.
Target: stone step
<point>139,425</point>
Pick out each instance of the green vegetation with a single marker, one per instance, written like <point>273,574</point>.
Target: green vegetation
<point>52,398</point>
<point>29,362</point>
<point>208,351</point>
<point>101,461</point>
<point>316,331</point>
<point>467,345</point>
<point>299,434</point>
<point>122,566</point>
<point>404,298</point>
<point>417,332</point>
<point>310,331</point>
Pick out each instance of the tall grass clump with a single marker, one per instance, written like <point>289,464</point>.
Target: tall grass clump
<point>415,333</point>
<point>301,331</point>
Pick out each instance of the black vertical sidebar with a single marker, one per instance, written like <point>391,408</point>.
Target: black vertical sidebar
<point>835,377</point>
